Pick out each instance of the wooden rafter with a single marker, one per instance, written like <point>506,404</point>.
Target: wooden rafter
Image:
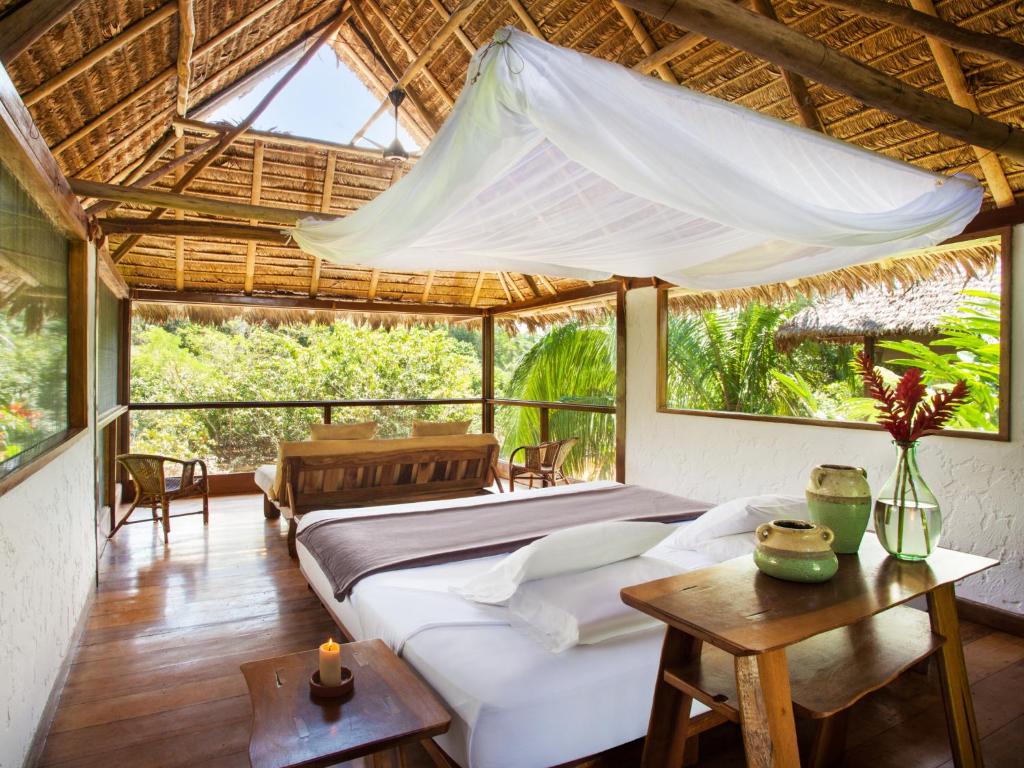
<point>144,181</point>
<point>326,196</point>
<point>461,36</point>
<point>795,84</point>
<point>371,291</point>
<point>524,16</point>
<point>956,84</point>
<point>21,28</point>
<point>533,285</point>
<point>377,47</point>
<point>643,37</point>
<point>131,174</point>
<point>186,43</point>
<point>673,50</point>
<point>432,47</point>
<point>403,44</point>
<point>932,26</point>
<point>228,138</point>
<point>504,286</point>
<point>813,59</point>
<point>92,58</point>
<point>476,289</point>
<point>165,200</point>
<point>255,193</point>
<point>427,286</point>
<point>162,79</point>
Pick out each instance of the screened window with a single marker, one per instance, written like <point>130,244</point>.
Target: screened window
<point>108,348</point>
<point>33,328</point>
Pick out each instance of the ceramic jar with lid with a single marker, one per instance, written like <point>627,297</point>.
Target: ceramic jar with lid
<point>795,550</point>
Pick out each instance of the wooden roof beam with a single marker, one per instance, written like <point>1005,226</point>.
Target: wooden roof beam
<point>432,47</point>
<point>524,16</point>
<point>461,36</point>
<point>201,229</point>
<point>22,28</point>
<point>228,138</point>
<point>956,84</point>
<point>176,201</point>
<point>96,55</point>
<point>795,84</point>
<point>186,43</point>
<point>673,50</point>
<point>643,37</point>
<point>813,59</point>
<point>402,43</point>
<point>932,26</point>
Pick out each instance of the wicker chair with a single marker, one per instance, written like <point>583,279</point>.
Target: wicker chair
<point>153,487</point>
<point>541,462</point>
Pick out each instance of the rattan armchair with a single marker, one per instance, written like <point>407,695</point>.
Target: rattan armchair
<point>541,462</point>
<point>153,486</point>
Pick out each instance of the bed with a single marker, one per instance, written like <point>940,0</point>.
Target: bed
<point>514,703</point>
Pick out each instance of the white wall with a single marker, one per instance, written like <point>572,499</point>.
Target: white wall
<point>980,484</point>
<point>47,566</point>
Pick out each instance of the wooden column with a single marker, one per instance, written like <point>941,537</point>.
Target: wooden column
<point>620,384</point>
<point>186,41</point>
<point>254,199</point>
<point>326,195</point>
<point>487,374</point>
<point>956,84</point>
<point>179,241</point>
<point>813,59</point>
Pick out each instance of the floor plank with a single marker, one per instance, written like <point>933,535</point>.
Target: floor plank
<point>155,681</point>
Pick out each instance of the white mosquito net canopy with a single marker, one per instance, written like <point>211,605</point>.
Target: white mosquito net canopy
<point>554,162</point>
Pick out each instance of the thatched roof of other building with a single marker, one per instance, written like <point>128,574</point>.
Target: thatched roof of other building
<point>914,310</point>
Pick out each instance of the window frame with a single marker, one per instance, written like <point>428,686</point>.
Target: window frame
<point>1005,235</point>
<point>28,158</point>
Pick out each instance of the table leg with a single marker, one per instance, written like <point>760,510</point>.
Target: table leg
<point>766,710</point>
<point>670,713</point>
<point>829,742</point>
<point>956,690</point>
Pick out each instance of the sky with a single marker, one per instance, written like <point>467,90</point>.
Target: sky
<point>324,101</point>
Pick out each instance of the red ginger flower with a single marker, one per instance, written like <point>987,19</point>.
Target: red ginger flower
<point>905,411</point>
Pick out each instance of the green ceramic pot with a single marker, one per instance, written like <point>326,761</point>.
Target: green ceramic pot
<point>839,497</point>
<point>795,550</point>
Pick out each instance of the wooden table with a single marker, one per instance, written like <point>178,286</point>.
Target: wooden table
<point>389,706</point>
<point>775,647</point>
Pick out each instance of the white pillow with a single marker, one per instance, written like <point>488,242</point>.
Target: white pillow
<point>572,549</point>
<point>741,515</point>
<point>585,608</point>
<point>727,547</point>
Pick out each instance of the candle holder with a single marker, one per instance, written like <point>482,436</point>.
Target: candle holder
<point>331,692</point>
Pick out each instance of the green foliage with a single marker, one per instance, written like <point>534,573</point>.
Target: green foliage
<point>967,348</point>
<point>571,363</point>
<point>190,362</point>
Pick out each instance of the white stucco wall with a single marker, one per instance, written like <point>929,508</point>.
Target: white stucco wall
<point>47,567</point>
<point>980,484</point>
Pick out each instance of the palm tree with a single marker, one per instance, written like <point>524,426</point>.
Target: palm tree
<point>726,360</point>
<point>572,363</point>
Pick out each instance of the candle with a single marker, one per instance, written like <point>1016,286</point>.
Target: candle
<point>330,663</point>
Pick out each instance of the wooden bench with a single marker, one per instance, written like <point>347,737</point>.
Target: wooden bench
<point>360,473</point>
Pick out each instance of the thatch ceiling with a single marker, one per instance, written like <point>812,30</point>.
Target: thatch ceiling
<point>103,120</point>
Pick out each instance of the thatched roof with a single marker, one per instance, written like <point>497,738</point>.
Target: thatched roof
<point>113,114</point>
<point>914,310</point>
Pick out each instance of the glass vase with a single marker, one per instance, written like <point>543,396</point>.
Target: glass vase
<point>908,521</point>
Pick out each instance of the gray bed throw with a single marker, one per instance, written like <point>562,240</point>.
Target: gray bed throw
<point>350,549</point>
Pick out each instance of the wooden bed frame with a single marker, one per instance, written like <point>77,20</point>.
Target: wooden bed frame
<point>403,474</point>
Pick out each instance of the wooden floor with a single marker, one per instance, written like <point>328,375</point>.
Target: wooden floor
<point>155,681</point>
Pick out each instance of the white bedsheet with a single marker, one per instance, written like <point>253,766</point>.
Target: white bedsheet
<point>513,703</point>
<point>264,477</point>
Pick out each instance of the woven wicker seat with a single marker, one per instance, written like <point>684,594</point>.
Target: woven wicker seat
<point>541,462</point>
<point>153,486</point>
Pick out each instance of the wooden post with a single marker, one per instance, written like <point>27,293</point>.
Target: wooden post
<point>487,373</point>
<point>620,384</point>
<point>545,424</point>
<point>254,199</point>
<point>328,413</point>
<point>813,59</point>
<point>326,195</point>
<point>186,41</point>
<point>179,241</point>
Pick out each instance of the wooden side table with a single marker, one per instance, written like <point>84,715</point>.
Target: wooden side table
<point>776,647</point>
<point>390,706</point>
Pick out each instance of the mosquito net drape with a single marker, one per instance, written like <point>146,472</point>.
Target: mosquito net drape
<point>554,162</point>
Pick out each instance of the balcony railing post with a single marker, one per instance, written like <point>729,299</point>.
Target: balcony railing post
<point>545,424</point>
<point>327,414</point>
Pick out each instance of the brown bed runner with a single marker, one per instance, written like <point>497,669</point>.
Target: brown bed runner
<point>349,549</point>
